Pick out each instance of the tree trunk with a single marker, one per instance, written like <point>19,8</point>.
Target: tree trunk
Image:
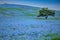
<point>46,17</point>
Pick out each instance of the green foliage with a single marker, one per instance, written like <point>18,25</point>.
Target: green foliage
<point>57,38</point>
<point>4,9</point>
<point>48,19</point>
<point>5,14</point>
<point>28,14</point>
<point>46,12</point>
<point>53,36</point>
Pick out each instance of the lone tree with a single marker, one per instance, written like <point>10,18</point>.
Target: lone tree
<point>46,12</point>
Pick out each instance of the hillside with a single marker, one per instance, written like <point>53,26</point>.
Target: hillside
<point>20,22</point>
<point>22,10</point>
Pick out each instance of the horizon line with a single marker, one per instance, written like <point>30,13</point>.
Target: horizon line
<point>31,5</point>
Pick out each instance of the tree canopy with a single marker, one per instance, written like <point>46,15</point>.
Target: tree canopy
<point>46,12</point>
